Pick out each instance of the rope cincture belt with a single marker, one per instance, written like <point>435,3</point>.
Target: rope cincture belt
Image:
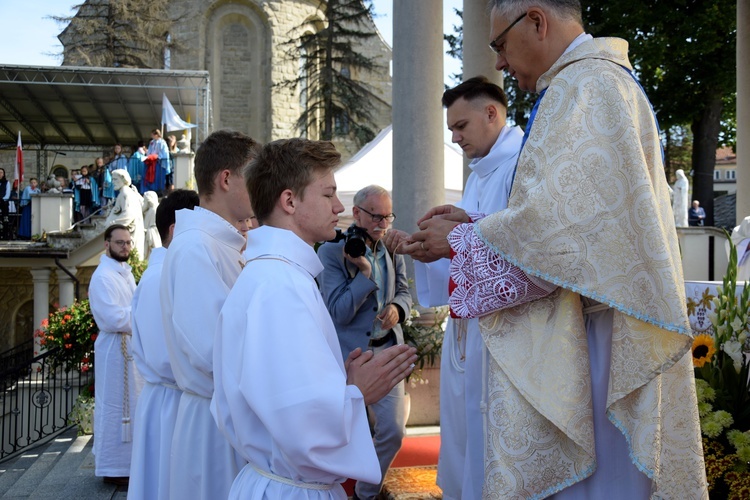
<point>286,480</point>
<point>127,436</point>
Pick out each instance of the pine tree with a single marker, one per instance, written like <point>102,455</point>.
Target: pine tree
<point>118,33</point>
<point>336,103</point>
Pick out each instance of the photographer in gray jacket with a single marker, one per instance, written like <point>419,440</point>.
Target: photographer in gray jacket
<point>367,294</point>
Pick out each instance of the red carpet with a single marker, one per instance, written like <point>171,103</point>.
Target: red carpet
<point>415,451</point>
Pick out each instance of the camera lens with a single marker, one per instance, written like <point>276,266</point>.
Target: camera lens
<point>355,246</point>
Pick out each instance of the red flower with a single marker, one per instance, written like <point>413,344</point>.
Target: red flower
<point>93,336</point>
<point>85,368</point>
<point>67,317</point>
<point>66,336</point>
<point>45,323</point>
<point>68,346</point>
<point>85,360</point>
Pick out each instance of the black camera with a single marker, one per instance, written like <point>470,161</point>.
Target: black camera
<point>356,240</point>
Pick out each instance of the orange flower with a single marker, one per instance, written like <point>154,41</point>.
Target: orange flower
<point>67,317</point>
<point>45,323</point>
<point>68,346</point>
<point>66,336</point>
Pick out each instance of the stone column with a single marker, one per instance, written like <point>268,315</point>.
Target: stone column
<point>66,286</point>
<point>478,59</point>
<point>743,109</point>
<point>40,278</point>
<point>418,162</point>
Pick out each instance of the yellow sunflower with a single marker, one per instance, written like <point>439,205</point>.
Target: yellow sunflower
<point>703,349</point>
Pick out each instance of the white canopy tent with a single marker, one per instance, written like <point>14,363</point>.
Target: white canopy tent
<point>373,164</point>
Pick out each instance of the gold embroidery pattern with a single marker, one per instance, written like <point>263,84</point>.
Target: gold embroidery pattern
<point>590,211</point>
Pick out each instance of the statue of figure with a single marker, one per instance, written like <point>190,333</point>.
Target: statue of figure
<point>183,145</point>
<point>741,239</point>
<point>53,185</point>
<point>128,208</point>
<point>680,199</point>
<point>152,238</point>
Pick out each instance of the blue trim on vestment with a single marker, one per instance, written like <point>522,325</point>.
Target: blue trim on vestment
<point>566,484</point>
<point>628,439</point>
<point>578,289</point>
<point>526,133</point>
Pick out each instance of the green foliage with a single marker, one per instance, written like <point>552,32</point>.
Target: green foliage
<point>722,387</point>
<point>335,102</point>
<point>137,266</point>
<point>69,333</point>
<point>426,337</point>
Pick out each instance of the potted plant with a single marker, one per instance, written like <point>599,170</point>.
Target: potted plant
<point>720,358</point>
<point>69,334</point>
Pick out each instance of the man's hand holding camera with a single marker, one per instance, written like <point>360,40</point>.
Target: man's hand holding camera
<point>361,262</point>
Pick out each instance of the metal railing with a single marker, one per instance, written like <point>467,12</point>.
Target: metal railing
<point>35,401</point>
<point>18,355</point>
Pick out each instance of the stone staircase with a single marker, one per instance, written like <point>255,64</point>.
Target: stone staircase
<point>81,233</point>
<point>62,468</point>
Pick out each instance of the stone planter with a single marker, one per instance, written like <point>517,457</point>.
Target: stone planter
<point>424,397</point>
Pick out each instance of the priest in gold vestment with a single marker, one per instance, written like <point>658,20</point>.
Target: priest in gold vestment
<point>578,282</point>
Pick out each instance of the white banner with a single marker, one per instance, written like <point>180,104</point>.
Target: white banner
<point>170,118</point>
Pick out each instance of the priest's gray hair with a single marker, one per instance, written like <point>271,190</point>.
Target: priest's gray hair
<point>564,9</point>
<point>368,191</point>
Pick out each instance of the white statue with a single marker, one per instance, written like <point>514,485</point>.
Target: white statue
<point>53,185</point>
<point>128,208</point>
<point>680,199</point>
<point>152,238</point>
<point>741,239</point>
<point>183,145</point>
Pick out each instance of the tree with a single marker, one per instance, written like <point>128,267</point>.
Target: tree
<point>519,102</point>
<point>683,52</point>
<point>118,33</point>
<point>335,102</point>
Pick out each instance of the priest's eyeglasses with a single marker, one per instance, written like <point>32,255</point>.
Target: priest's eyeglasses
<point>496,45</point>
<point>377,217</point>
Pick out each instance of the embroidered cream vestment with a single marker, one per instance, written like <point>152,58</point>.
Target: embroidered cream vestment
<point>590,212</point>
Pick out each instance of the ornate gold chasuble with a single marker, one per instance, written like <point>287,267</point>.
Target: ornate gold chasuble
<point>590,212</point>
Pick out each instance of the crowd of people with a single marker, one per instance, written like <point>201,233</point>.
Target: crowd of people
<point>272,371</point>
<point>150,168</point>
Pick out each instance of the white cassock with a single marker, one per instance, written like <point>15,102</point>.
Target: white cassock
<point>203,262</point>
<point>461,461</point>
<point>281,396</point>
<point>156,411</point>
<point>110,294</point>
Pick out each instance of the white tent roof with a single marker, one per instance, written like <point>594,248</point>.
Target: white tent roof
<point>373,164</point>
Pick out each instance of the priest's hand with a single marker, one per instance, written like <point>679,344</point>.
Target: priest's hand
<point>431,242</point>
<point>448,212</point>
<point>362,264</point>
<point>376,374</point>
<point>395,239</point>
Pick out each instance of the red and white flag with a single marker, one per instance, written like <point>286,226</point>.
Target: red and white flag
<point>19,161</point>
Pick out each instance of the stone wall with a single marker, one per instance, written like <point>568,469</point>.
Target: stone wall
<point>242,44</point>
<point>17,302</point>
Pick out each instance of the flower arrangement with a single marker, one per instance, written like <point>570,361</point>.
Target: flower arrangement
<point>69,334</point>
<point>427,338</point>
<point>721,382</point>
<point>82,414</point>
